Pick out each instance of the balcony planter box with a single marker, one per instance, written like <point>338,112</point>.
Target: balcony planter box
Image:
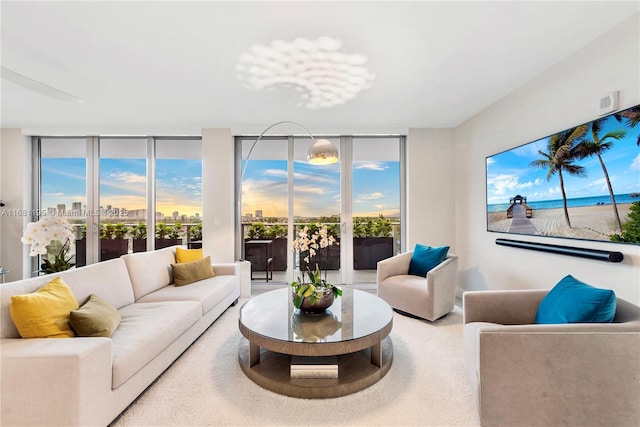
<point>139,245</point>
<point>113,248</point>
<point>165,243</point>
<point>109,249</point>
<point>81,252</point>
<point>367,251</point>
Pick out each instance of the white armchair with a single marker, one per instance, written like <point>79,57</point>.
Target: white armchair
<point>429,297</point>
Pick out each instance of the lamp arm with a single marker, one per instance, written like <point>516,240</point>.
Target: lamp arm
<point>262,134</point>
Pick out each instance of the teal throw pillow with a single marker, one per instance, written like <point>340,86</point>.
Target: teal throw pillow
<point>425,258</point>
<point>572,301</point>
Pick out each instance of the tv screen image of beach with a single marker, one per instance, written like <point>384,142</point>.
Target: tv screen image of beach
<point>580,183</point>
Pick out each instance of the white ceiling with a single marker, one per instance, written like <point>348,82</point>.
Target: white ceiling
<point>172,65</point>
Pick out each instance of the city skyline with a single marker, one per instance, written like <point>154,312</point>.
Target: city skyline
<point>123,184</point>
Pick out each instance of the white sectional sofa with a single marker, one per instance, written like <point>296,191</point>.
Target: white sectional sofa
<point>89,381</point>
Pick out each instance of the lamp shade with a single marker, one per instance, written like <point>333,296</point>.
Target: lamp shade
<point>322,152</point>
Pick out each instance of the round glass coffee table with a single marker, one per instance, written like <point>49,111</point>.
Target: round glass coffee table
<point>342,351</point>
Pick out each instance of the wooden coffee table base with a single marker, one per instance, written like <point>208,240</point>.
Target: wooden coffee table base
<point>355,372</point>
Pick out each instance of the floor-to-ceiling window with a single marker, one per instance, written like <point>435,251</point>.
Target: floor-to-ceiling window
<point>62,186</point>
<point>317,200</point>
<point>264,211</point>
<point>376,209</point>
<point>120,193</point>
<point>358,198</point>
<point>178,192</point>
<point>122,189</point>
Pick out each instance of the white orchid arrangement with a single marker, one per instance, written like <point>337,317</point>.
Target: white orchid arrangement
<point>50,234</point>
<point>310,240</point>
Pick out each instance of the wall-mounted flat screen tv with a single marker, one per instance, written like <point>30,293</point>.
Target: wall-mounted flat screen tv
<point>580,183</point>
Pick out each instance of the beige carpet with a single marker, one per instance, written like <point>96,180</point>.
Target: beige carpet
<point>426,386</point>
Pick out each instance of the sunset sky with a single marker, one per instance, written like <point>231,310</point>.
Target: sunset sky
<point>123,184</point>
<point>376,188</point>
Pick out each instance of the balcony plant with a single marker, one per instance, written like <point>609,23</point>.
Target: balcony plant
<point>139,235</point>
<point>194,236</point>
<point>316,294</point>
<point>51,237</point>
<point>168,235</point>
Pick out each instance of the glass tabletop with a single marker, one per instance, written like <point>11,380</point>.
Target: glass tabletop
<point>356,314</point>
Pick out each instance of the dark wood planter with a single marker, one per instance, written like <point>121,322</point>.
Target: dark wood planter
<point>326,258</point>
<point>139,245</point>
<point>113,248</point>
<point>81,252</point>
<point>279,251</point>
<point>367,251</point>
<point>165,243</point>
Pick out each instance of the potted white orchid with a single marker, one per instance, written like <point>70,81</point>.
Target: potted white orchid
<point>316,295</point>
<point>53,238</point>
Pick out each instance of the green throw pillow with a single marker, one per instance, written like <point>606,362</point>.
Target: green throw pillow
<point>425,258</point>
<point>572,301</point>
<point>95,318</point>
<point>189,272</point>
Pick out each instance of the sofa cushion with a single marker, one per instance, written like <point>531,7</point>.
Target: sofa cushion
<point>189,272</point>
<point>208,292</point>
<point>95,318</point>
<point>572,301</point>
<point>150,271</point>
<point>145,331</point>
<point>188,255</point>
<point>425,258</point>
<point>44,313</point>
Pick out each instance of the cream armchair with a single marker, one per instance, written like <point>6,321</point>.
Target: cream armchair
<point>429,297</point>
<point>527,374</point>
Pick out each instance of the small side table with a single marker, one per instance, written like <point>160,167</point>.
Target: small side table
<point>260,253</point>
<point>2,273</point>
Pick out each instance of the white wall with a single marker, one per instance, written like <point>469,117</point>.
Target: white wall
<point>561,97</point>
<point>14,182</point>
<point>430,188</point>
<point>218,194</point>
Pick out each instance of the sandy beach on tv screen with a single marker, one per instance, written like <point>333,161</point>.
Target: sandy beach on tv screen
<point>587,222</point>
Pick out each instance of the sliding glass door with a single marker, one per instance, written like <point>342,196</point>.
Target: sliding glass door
<point>264,211</point>
<point>358,199</point>
<point>376,208</point>
<point>316,203</point>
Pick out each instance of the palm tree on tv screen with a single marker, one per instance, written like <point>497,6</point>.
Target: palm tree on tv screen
<point>632,115</point>
<point>562,151</point>
<point>596,147</point>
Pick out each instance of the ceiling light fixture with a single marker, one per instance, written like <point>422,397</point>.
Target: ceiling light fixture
<point>322,74</point>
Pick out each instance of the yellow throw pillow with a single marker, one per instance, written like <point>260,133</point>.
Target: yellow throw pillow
<point>188,255</point>
<point>44,313</point>
<point>190,272</point>
<point>96,318</point>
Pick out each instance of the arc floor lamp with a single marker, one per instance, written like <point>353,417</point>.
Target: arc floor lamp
<point>321,152</point>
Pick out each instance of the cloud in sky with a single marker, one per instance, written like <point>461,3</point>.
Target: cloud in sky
<point>374,166</point>
<point>370,196</point>
<point>635,164</point>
